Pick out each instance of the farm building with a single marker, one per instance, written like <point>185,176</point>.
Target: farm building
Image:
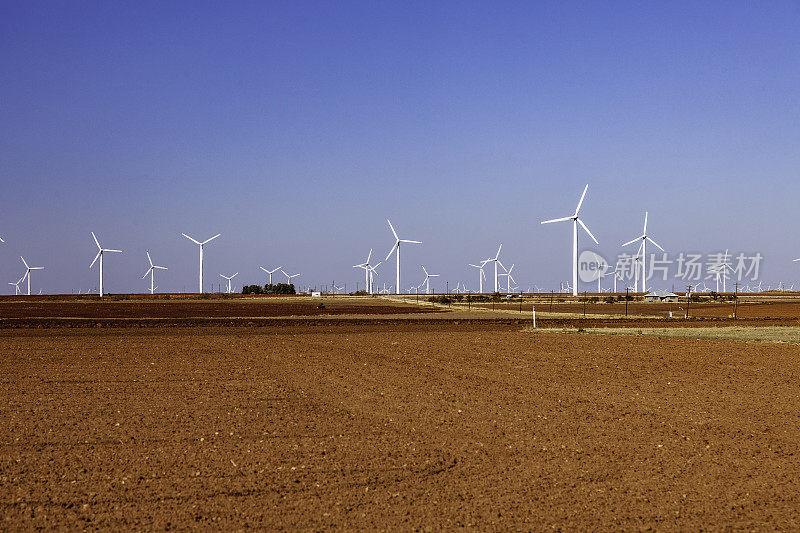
<point>660,296</point>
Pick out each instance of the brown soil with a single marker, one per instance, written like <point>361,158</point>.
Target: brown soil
<point>361,428</point>
<point>765,309</point>
<point>201,308</point>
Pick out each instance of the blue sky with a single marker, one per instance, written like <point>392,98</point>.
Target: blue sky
<point>295,129</point>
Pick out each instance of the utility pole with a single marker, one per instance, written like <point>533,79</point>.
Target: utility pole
<point>584,304</point>
<point>735,299</point>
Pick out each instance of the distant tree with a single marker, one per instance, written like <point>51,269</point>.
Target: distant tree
<point>252,289</point>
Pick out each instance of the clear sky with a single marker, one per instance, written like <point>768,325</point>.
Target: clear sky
<point>296,128</point>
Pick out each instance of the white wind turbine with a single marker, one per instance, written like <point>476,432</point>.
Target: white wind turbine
<point>100,251</point>
<point>368,271</point>
<point>726,266</point>
<point>151,271</point>
<point>270,272</point>
<point>288,277</point>
<point>495,260</point>
<point>201,244</point>
<point>16,285</point>
<point>481,275</point>
<point>229,278</point>
<point>396,247</point>
<point>28,273</point>
<point>427,280</point>
<point>372,274</point>
<point>509,277</point>
<point>644,238</point>
<point>575,221</point>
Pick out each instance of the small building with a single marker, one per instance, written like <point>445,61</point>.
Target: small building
<point>661,296</point>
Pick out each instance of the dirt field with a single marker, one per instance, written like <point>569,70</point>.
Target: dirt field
<point>238,307</point>
<point>760,309</point>
<point>354,427</point>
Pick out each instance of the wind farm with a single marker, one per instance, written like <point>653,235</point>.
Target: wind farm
<point>587,317</point>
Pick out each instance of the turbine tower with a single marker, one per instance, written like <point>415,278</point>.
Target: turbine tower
<point>270,272</point>
<point>100,251</point>
<point>396,247</point>
<point>151,271</point>
<point>481,275</point>
<point>427,280</point>
<point>201,244</point>
<point>229,278</point>
<point>28,273</point>
<point>575,221</point>
<point>643,247</point>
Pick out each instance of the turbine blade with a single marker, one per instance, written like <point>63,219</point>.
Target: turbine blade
<point>392,250</point>
<point>191,239</point>
<point>264,269</point>
<point>369,256</point>
<point>160,268</point>
<point>580,202</point>
<point>146,273</point>
<point>412,242</point>
<point>392,228</point>
<point>562,219</point>
<point>587,230</point>
<point>23,262</point>
<point>644,232</point>
<point>632,241</point>
<point>116,251</point>
<point>655,243</point>
<point>95,258</point>
<point>95,240</point>
<point>148,258</point>
<point>211,239</point>
<point>498,251</point>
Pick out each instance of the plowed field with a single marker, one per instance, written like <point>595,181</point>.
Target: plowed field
<point>357,428</point>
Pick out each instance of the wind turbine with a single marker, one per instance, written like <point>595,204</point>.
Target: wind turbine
<point>396,246</point>
<point>726,265</point>
<point>495,260</point>
<point>229,278</point>
<point>151,271</point>
<point>270,272</point>
<point>644,238</point>
<point>481,275</point>
<point>99,255</point>
<point>201,244</point>
<point>28,273</point>
<point>288,277</point>
<point>427,280</point>
<point>509,277</point>
<point>16,285</point>
<point>372,273</point>
<point>367,272</point>
<point>575,221</point>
